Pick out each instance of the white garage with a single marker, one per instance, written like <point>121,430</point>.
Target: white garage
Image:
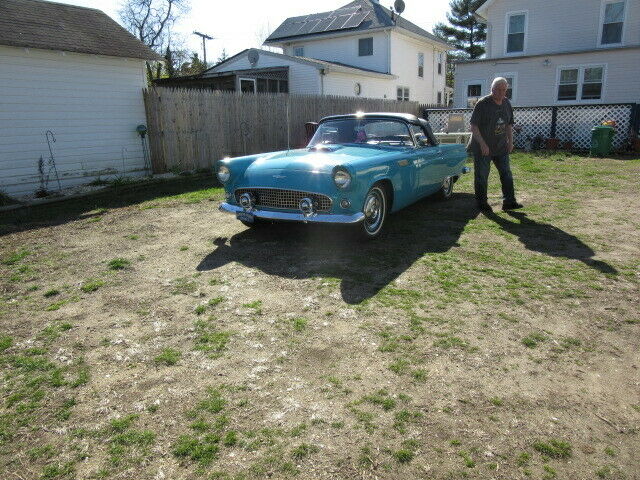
<point>71,82</point>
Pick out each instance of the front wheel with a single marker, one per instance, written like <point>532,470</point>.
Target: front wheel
<point>446,190</point>
<point>375,213</point>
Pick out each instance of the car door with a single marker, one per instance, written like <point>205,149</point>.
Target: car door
<point>427,160</point>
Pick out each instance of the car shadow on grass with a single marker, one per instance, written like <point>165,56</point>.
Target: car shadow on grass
<point>550,240</point>
<point>327,252</point>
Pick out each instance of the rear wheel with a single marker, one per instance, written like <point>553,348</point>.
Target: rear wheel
<point>375,213</point>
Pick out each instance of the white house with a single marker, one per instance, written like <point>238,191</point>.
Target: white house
<point>361,49</point>
<point>557,52</point>
<point>75,73</point>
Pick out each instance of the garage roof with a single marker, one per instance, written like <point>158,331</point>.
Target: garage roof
<point>56,26</point>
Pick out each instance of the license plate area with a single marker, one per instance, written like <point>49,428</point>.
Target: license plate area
<point>245,217</point>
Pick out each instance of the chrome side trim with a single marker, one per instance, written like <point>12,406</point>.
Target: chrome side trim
<point>294,217</point>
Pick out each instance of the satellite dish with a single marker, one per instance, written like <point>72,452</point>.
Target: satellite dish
<point>254,55</point>
<point>398,6</point>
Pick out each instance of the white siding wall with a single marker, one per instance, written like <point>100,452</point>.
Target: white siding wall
<point>91,103</point>
<point>345,50</point>
<point>557,25</point>
<point>404,64</point>
<point>536,84</point>
<point>303,79</point>
<point>344,83</point>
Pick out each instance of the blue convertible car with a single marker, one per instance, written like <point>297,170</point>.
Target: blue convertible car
<point>356,169</point>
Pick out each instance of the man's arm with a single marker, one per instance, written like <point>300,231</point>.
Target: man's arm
<point>484,148</point>
<point>509,138</point>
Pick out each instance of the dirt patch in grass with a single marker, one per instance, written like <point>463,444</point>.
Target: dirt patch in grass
<point>456,346</point>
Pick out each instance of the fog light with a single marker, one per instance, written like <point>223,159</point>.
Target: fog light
<point>345,203</point>
<point>306,206</point>
<point>247,201</point>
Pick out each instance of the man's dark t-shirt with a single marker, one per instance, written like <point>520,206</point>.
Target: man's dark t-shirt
<point>492,120</point>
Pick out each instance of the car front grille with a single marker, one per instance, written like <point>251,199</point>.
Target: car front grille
<point>287,199</point>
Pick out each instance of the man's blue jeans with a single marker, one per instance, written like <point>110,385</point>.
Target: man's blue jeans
<point>482,165</point>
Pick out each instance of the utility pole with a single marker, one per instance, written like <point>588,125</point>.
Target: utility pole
<point>204,46</point>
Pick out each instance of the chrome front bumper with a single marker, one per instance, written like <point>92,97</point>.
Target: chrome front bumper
<point>293,217</point>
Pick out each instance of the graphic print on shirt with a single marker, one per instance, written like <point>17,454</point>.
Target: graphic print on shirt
<point>501,126</point>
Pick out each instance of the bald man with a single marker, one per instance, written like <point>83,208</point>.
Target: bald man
<point>492,140</point>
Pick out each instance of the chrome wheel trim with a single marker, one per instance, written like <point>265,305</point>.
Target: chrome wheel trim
<point>374,210</point>
<point>447,186</point>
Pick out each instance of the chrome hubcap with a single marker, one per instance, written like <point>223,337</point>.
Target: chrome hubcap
<point>373,210</point>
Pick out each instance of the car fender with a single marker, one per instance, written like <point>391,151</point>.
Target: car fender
<point>238,165</point>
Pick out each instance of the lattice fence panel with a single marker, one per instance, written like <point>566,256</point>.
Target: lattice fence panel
<point>535,121</point>
<point>574,123</point>
<point>439,119</point>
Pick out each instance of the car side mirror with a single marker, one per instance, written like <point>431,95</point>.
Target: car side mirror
<point>421,141</point>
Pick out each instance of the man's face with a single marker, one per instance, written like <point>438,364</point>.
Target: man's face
<point>499,91</point>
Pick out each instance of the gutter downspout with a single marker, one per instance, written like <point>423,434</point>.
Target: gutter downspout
<point>322,74</point>
<point>389,63</point>
<point>389,51</point>
<point>433,75</point>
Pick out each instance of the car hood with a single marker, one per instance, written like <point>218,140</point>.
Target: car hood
<point>316,161</point>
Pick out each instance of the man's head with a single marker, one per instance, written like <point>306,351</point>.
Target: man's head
<point>499,88</point>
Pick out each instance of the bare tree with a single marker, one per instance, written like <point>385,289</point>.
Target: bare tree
<point>261,34</point>
<point>151,21</point>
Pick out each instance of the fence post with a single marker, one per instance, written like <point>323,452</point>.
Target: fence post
<point>554,122</point>
<point>634,120</point>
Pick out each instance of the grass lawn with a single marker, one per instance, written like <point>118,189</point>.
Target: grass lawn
<point>146,335</point>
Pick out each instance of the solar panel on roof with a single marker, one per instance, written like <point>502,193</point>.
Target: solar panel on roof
<point>332,24</point>
<point>345,11</point>
<point>287,29</point>
<point>340,21</point>
<point>322,25</point>
<point>355,20</point>
<point>321,22</point>
<point>308,27</point>
<point>317,16</point>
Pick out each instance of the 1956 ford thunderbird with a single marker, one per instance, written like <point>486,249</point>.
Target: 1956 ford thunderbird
<point>356,169</point>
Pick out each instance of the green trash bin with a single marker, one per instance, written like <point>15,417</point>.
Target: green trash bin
<point>601,140</point>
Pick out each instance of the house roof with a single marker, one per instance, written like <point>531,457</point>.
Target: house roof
<point>512,59</point>
<point>319,64</point>
<point>482,10</point>
<point>373,15</point>
<point>56,26</point>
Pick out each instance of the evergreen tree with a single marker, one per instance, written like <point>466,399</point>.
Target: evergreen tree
<point>223,56</point>
<point>168,64</point>
<point>194,67</point>
<point>464,32</point>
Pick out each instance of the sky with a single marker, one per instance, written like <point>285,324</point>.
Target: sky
<point>239,25</point>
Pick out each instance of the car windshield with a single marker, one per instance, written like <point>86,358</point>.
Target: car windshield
<point>370,131</point>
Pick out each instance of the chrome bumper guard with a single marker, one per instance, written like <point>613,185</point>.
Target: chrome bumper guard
<point>293,217</point>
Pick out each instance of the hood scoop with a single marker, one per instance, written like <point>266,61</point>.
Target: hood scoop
<point>325,148</point>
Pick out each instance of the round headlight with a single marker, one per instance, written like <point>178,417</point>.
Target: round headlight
<point>223,173</point>
<point>341,178</point>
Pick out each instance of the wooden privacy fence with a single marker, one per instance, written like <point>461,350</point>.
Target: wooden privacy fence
<point>191,129</point>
